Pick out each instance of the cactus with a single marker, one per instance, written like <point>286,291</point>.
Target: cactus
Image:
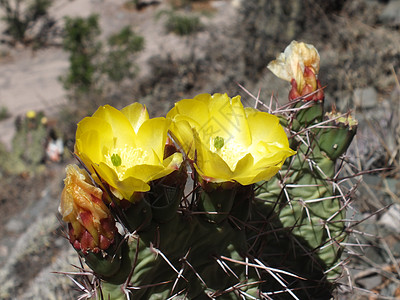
<point>265,216</point>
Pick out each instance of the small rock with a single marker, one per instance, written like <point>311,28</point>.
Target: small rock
<point>391,218</point>
<point>391,14</point>
<point>370,282</point>
<point>15,226</point>
<point>3,251</point>
<point>365,98</point>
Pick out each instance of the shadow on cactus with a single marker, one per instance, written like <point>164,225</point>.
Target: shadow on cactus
<point>214,201</point>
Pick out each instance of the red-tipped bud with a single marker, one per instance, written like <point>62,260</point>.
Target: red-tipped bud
<point>91,225</point>
<point>299,64</point>
<point>309,84</point>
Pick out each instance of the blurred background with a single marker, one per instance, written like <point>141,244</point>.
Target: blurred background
<point>61,59</point>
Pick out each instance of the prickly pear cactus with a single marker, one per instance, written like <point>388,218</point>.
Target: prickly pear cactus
<point>215,201</point>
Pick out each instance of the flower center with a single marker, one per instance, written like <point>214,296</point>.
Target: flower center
<point>230,151</point>
<point>218,142</point>
<point>121,159</point>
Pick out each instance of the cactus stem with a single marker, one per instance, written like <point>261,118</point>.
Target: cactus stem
<point>193,269</point>
<point>159,252</point>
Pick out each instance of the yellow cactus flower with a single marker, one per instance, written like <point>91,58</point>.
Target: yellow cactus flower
<point>299,64</point>
<point>30,114</point>
<point>125,148</point>
<point>228,142</point>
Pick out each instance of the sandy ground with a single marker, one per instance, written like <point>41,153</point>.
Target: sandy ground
<point>30,83</point>
<point>29,80</point>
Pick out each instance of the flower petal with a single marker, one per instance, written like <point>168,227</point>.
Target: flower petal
<point>93,138</point>
<point>228,119</point>
<point>265,128</point>
<point>136,113</point>
<point>291,63</point>
<point>209,164</point>
<point>152,136</point>
<point>126,187</point>
<point>122,129</point>
<point>182,134</point>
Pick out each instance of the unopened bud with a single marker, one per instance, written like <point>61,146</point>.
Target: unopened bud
<point>91,225</point>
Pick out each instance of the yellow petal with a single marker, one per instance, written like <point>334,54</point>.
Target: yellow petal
<point>194,111</point>
<point>152,136</point>
<point>145,172</point>
<point>122,129</point>
<point>244,166</point>
<point>228,119</point>
<point>173,162</point>
<point>265,128</point>
<point>126,186</point>
<point>93,138</point>
<point>263,174</point>
<point>247,172</point>
<point>210,165</point>
<point>136,113</point>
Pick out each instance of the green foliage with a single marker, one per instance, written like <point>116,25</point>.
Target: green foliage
<point>91,63</point>
<point>181,24</point>
<point>4,114</point>
<point>20,15</point>
<point>118,63</point>
<point>80,42</point>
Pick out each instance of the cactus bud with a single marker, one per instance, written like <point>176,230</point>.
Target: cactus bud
<point>299,64</point>
<point>216,200</point>
<point>92,229</point>
<point>335,141</point>
<point>91,225</point>
<point>166,193</point>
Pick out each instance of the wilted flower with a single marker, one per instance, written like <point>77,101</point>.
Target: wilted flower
<point>299,64</point>
<point>91,225</point>
<point>125,148</point>
<point>228,142</point>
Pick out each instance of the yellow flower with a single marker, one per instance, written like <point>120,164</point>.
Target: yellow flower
<point>30,114</point>
<point>228,142</point>
<point>126,148</point>
<point>298,64</point>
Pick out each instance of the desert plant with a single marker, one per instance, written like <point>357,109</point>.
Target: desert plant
<point>119,61</point>
<point>181,24</point>
<point>94,67</point>
<point>265,217</point>
<point>4,113</point>
<point>80,42</point>
<point>28,145</point>
<point>20,15</point>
